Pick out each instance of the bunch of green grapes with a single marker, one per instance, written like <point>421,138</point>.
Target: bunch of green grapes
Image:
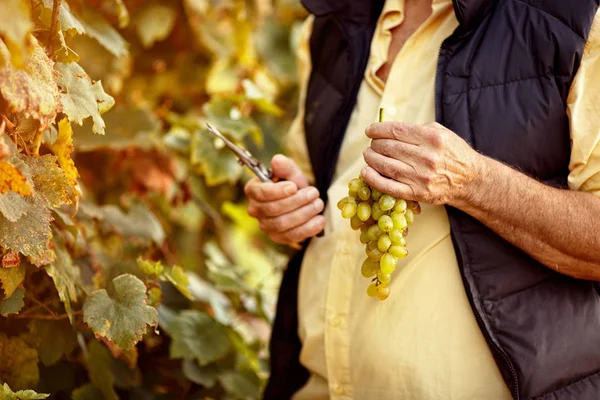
<point>383,221</point>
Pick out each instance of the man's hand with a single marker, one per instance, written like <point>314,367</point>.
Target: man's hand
<point>427,163</point>
<point>287,211</point>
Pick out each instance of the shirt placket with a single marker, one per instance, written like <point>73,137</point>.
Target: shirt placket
<point>337,336</point>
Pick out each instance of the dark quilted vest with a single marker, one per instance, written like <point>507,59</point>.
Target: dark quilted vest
<point>502,83</point>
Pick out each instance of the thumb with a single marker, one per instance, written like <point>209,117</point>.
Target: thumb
<point>285,168</point>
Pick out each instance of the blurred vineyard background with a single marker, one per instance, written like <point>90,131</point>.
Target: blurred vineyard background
<point>129,267</point>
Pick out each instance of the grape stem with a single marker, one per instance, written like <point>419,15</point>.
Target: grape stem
<point>53,27</point>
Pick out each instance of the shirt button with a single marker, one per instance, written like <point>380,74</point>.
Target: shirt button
<point>336,321</point>
<point>390,111</point>
<point>339,390</point>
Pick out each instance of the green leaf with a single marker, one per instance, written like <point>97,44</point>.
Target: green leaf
<point>62,343</point>
<point>99,364</point>
<point>139,222</point>
<point>226,116</point>
<point>81,98</point>
<point>12,206</point>
<point>123,319</point>
<point>241,384</point>
<point>152,268</point>
<point>49,180</point>
<point>19,368</point>
<point>195,335</point>
<point>98,28</point>
<point>154,23</point>
<point>180,280</point>
<point>7,394</point>
<point>87,392</point>
<point>11,278</point>
<point>218,165</point>
<point>205,376</point>
<point>13,304</point>
<point>66,277</point>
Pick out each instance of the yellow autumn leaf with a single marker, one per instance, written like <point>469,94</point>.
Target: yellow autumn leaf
<point>15,24</point>
<point>62,149</point>
<point>11,179</point>
<point>32,90</point>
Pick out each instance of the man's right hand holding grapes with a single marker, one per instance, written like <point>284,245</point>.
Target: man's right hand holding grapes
<point>288,210</point>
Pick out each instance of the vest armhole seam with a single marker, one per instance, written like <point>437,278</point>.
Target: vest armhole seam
<point>553,17</point>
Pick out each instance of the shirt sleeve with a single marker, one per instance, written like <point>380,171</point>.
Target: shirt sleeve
<point>583,108</point>
<point>295,143</point>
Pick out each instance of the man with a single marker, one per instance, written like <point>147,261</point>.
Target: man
<point>498,296</point>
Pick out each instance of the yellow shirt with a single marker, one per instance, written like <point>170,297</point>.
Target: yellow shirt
<point>423,341</point>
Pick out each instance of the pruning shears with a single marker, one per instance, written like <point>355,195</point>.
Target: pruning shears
<point>244,157</point>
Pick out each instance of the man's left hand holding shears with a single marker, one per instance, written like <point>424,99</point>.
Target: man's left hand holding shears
<point>288,210</point>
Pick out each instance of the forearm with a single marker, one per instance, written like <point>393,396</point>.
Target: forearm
<point>559,228</point>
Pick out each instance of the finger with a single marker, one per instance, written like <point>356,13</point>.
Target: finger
<point>269,191</point>
<point>407,133</point>
<point>302,232</point>
<point>285,168</point>
<point>390,167</point>
<point>397,149</point>
<point>283,206</point>
<point>386,185</point>
<point>293,219</point>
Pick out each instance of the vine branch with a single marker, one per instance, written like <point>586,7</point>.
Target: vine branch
<point>45,316</point>
<point>54,26</point>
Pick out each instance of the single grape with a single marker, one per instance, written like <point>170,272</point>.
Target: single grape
<point>363,211</point>
<point>355,222</point>
<point>376,211</point>
<point>398,251</point>
<point>410,217</point>
<point>383,292</point>
<point>375,254</point>
<point>364,193</point>
<point>371,245</point>
<point>342,202</point>
<point>387,202</point>
<point>349,210</point>
<point>405,232</point>
<point>356,184</point>
<point>415,207</point>
<point>352,194</point>
<point>384,243</point>
<point>384,278</point>
<point>387,263</point>
<point>364,237</point>
<point>399,220</point>
<point>385,223</point>
<point>369,268</point>
<point>397,237</point>
<point>374,232</point>
<point>372,290</point>
<point>375,194</point>
<point>400,206</point>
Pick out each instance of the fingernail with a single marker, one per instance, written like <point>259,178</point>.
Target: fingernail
<point>311,193</point>
<point>318,204</point>
<point>363,171</point>
<point>289,190</point>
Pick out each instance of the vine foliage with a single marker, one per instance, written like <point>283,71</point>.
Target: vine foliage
<point>129,267</point>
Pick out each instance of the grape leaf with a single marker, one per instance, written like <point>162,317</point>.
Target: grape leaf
<point>66,277</point>
<point>32,91</point>
<point>205,376</point>
<point>218,165</point>
<point>195,335</point>
<point>62,148</point>
<point>152,268</point>
<point>82,99</point>
<point>7,394</point>
<point>180,280</point>
<point>242,384</point>
<point>11,278</point>
<point>69,23</point>
<point>98,28</point>
<point>225,115</point>
<point>11,259</point>
<point>63,340</point>
<point>154,23</point>
<point>124,318</point>
<point>19,367</point>
<point>87,392</point>
<point>11,179</point>
<point>49,180</point>
<point>99,362</point>
<point>12,206</point>
<point>15,24</point>
<point>31,233</point>
<point>13,304</point>
<point>139,222</point>
<point>115,9</point>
